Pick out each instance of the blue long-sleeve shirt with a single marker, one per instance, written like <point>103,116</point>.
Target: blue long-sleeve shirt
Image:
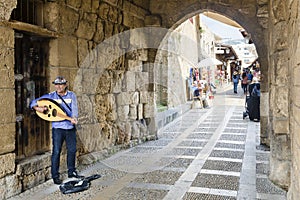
<point>70,98</point>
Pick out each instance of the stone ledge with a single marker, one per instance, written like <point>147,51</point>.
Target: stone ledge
<point>163,118</point>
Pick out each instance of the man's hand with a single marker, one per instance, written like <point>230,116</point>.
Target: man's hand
<point>74,121</point>
<point>40,109</point>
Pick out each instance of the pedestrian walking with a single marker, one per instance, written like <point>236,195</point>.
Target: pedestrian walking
<point>244,82</point>
<point>62,130</point>
<point>235,80</point>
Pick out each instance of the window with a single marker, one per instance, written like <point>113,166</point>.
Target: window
<point>29,11</point>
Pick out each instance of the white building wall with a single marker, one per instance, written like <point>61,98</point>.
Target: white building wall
<point>183,54</point>
<point>246,53</point>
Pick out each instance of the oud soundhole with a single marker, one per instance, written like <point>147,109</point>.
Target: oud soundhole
<point>54,112</point>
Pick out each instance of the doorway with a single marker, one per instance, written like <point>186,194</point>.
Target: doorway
<point>31,69</point>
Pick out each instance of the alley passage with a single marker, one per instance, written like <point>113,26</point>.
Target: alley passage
<point>204,154</point>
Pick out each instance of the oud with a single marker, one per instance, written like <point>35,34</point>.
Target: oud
<point>53,111</point>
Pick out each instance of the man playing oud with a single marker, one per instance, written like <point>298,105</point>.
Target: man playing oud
<point>62,130</point>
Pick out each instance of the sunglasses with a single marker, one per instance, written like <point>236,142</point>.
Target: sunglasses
<point>59,84</point>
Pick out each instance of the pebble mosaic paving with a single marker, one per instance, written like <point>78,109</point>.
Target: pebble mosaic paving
<point>198,196</point>
<point>193,158</point>
<point>216,181</point>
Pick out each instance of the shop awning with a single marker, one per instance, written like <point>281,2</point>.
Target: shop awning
<point>207,62</point>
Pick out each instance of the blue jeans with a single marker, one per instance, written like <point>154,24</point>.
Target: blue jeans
<point>235,87</point>
<point>58,138</point>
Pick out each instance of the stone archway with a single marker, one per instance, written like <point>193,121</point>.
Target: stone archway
<point>255,17</point>
<point>273,25</point>
<point>252,15</point>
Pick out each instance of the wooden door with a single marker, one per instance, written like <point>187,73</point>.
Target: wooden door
<point>31,61</point>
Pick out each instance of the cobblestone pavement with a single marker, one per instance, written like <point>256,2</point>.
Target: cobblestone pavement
<point>204,154</point>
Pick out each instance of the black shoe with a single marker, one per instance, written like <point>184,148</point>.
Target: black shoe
<point>57,181</point>
<point>244,115</point>
<point>75,175</point>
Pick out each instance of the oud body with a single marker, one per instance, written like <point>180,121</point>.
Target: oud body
<point>53,111</point>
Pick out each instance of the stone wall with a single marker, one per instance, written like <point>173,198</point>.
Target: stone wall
<point>110,76</point>
<point>280,157</point>
<point>8,178</point>
<point>292,14</point>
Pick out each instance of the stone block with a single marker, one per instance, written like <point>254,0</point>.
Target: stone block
<point>6,9</point>
<point>144,96</point>
<point>69,20</point>
<point>123,112</point>
<point>109,31</point>
<point>148,110</point>
<point>281,126</point>
<point>281,69</point>
<point>116,85</point>
<point>134,10</point>
<point>140,111</point>
<point>134,98</point>
<point>2,188</point>
<point>142,38</point>
<point>132,112</point>
<point>153,20</point>
<point>104,10</point>
<point>280,171</point>
<point>7,139</point>
<point>90,77</point>
<point>296,79</point>
<point>123,98</point>
<point>53,53</point>
<point>296,118</point>
<point>91,138</point>
<point>86,6</point>
<point>113,15</point>
<point>7,38</point>
<point>142,81</point>
<point>95,6</point>
<point>122,132</point>
<point>7,109</point>
<point>13,186</point>
<point>135,130</point>
<point>86,108</point>
<point>67,51</point>
<point>135,65</point>
<point>99,34</point>
<point>105,107</point>
<point>264,100</point>
<point>34,164</point>
<point>280,102</point>
<point>7,68</point>
<point>51,16</point>
<point>138,22</point>
<point>142,54</point>
<point>87,26</point>
<point>74,4</point>
<point>84,56</point>
<point>264,130</point>
<point>7,164</point>
<point>280,34</point>
<point>129,82</point>
<point>29,181</point>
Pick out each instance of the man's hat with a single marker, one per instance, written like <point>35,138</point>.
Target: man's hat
<point>59,80</point>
